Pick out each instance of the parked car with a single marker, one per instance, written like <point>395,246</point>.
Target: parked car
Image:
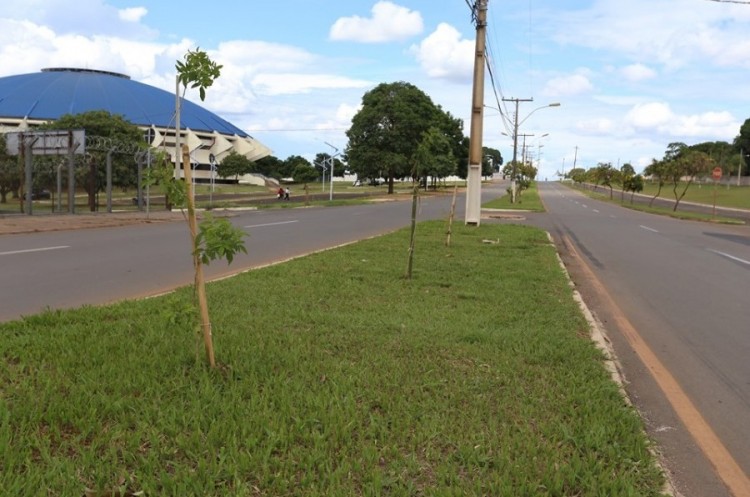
<point>39,195</point>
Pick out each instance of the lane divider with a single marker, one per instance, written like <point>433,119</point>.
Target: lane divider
<point>271,224</point>
<point>29,251</point>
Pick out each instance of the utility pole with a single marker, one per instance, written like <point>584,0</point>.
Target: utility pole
<point>515,145</point>
<point>474,176</point>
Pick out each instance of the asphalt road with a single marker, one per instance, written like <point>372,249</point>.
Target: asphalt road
<point>64,269</point>
<point>685,288</point>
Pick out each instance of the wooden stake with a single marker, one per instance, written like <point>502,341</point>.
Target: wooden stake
<point>452,215</point>
<point>200,283</point>
<point>414,198</point>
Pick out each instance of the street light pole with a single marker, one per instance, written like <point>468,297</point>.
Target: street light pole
<point>515,145</point>
<point>336,152</point>
<point>516,124</point>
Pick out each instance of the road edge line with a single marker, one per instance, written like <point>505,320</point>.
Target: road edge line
<point>726,468</point>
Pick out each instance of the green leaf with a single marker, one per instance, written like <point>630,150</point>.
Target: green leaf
<point>218,239</point>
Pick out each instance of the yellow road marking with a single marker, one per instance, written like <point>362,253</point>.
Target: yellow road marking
<point>726,467</point>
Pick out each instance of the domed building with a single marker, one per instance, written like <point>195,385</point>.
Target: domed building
<point>28,100</point>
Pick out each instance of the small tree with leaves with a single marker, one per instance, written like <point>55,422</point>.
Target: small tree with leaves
<point>657,171</point>
<point>634,184</point>
<point>213,238</point>
<point>605,175</point>
<point>686,169</point>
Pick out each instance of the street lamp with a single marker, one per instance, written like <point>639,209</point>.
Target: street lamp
<point>516,124</point>
<point>336,150</point>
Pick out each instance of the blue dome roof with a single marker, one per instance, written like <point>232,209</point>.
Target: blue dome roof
<point>49,94</point>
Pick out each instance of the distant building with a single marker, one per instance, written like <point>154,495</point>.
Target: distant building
<point>28,100</point>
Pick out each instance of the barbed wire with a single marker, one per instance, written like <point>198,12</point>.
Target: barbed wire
<point>106,144</point>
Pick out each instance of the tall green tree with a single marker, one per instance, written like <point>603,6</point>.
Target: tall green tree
<point>674,151</point>
<point>627,172</point>
<point>235,165</point>
<point>387,130</point>
<point>305,174</point>
<point>10,174</point>
<point>492,161</point>
<point>434,156</point>
<point>578,175</point>
<point>291,163</point>
<point>462,159</point>
<point>269,166</point>
<point>339,168</point>
<point>742,143</point>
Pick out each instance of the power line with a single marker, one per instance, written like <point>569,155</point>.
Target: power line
<point>297,129</point>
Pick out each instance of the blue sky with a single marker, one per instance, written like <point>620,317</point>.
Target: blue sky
<point>631,76</point>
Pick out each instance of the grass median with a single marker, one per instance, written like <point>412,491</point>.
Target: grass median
<point>337,377</point>
<point>528,200</point>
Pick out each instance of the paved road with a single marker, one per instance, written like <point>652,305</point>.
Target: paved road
<point>69,268</point>
<point>685,288</point>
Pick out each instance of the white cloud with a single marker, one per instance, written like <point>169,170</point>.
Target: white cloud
<point>346,112</point>
<point>669,34</point>
<point>82,16</point>
<point>650,115</point>
<point>132,14</point>
<point>601,126</point>
<point>565,86</point>
<point>444,54</point>
<point>295,83</point>
<point>389,22</point>
<point>658,117</point>
<point>637,72</point>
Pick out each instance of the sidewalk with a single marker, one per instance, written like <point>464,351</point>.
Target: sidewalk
<point>20,223</point>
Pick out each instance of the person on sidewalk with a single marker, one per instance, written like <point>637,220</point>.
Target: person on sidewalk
<point>286,193</point>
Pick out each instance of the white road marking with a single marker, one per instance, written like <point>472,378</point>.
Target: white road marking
<point>596,210</point>
<point>728,256</point>
<point>585,206</point>
<point>649,229</point>
<point>271,224</point>
<point>28,251</point>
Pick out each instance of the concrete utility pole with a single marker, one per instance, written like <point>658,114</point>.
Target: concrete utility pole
<point>474,177</point>
<point>515,145</point>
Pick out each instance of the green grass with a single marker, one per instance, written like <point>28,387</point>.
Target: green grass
<point>726,196</point>
<point>662,211</point>
<point>336,377</point>
<point>528,200</point>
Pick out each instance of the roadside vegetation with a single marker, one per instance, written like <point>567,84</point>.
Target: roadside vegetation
<point>727,195</point>
<point>335,377</point>
<point>527,200</point>
<point>663,211</point>
<point>685,173</point>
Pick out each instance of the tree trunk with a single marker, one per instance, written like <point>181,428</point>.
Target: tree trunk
<point>200,284</point>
